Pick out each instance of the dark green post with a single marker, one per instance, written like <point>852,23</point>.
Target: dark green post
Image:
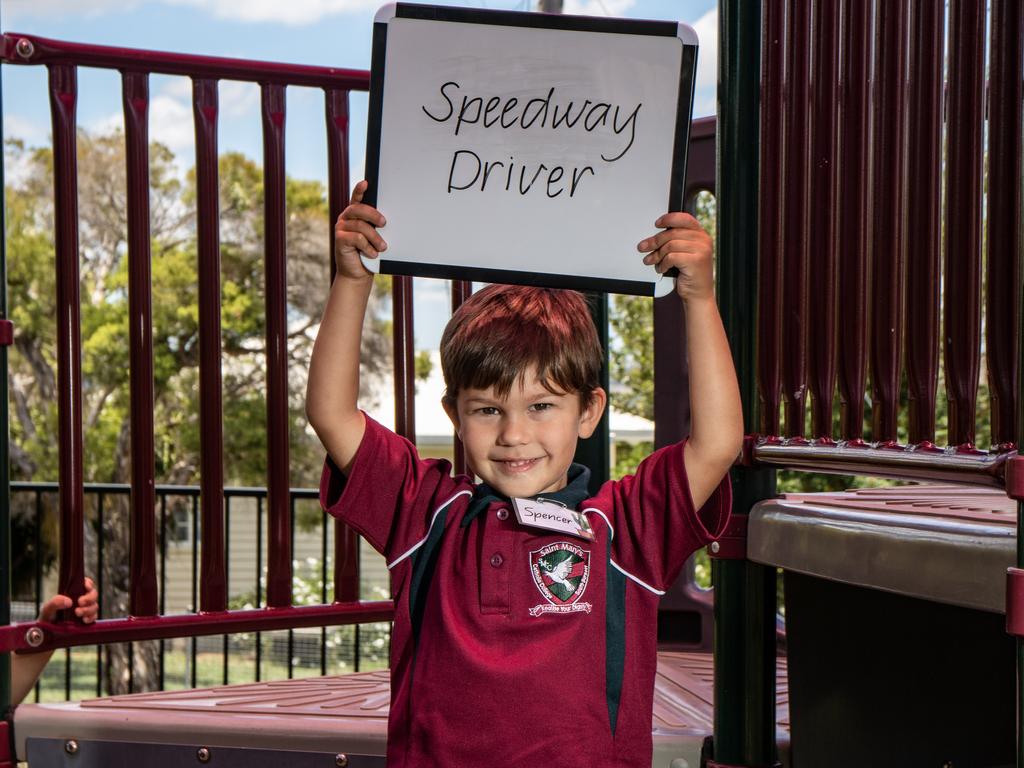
<point>5,471</point>
<point>744,643</point>
<point>1020,511</point>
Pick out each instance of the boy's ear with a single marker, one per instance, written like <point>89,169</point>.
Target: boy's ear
<point>591,412</point>
<point>453,413</point>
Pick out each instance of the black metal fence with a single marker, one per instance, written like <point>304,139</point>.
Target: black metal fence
<point>190,662</point>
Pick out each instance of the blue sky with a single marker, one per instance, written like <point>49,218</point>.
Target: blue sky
<point>320,32</point>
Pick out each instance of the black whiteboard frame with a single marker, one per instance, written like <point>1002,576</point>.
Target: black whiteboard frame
<point>684,116</point>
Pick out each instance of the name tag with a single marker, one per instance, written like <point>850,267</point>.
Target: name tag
<point>539,513</point>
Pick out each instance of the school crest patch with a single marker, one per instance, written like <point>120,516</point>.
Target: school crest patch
<point>561,572</point>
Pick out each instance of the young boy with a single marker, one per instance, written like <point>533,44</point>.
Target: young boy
<point>514,643</point>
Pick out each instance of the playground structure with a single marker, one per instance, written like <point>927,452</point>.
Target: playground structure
<point>850,244</point>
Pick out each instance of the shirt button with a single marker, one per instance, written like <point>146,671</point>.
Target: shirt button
<point>497,560</point>
<point>503,514</point>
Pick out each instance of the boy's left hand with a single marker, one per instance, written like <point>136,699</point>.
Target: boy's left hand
<point>683,244</point>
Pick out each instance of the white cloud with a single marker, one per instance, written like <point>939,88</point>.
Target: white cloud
<point>20,9</point>
<point>293,12</point>
<point>20,127</point>
<point>234,98</point>
<point>598,7</point>
<point>707,63</point>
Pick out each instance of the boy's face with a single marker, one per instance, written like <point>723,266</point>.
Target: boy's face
<point>522,444</point>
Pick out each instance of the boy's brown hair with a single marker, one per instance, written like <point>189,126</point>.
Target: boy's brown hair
<point>501,330</point>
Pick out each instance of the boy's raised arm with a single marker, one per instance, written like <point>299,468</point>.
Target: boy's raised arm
<point>716,415</point>
<point>333,388</point>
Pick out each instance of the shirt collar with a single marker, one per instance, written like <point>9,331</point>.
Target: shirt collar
<point>575,491</point>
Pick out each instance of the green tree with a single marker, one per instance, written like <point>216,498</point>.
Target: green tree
<point>106,398</point>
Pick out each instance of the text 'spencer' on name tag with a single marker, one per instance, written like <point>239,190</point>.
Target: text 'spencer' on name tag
<point>538,513</point>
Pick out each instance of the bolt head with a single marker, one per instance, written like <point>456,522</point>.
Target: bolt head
<point>341,760</point>
<point>203,755</point>
<point>71,746</point>
<point>34,636</point>
<point>25,48</point>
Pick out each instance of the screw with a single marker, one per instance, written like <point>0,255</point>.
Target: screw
<point>34,637</point>
<point>203,754</point>
<point>71,746</point>
<point>715,547</point>
<point>341,760</point>
<point>25,48</point>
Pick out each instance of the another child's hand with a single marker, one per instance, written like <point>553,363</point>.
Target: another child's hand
<point>683,244</point>
<point>356,232</point>
<point>88,605</point>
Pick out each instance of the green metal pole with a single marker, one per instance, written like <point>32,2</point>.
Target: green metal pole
<point>5,434</point>
<point>1020,506</point>
<point>744,642</point>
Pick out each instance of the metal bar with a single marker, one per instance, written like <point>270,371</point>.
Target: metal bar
<point>905,462</point>
<point>822,268</point>
<point>336,113</point>
<point>888,250</point>
<point>135,95</point>
<point>279,537</point>
<point>101,540</point>
<point>744,638</point>
<point>211,426</point>
<point>63,98</point>
<point>924,112</point>
<point>461,290</point>
<point>346,541</point>
<point>47,51</point>
<point>770,218</point>
<point>1004,239</point>
<point>964,163</point>
<point>70,634</point>
<point>5,454</point>
<point>796,226</point>
<point>291,632</point>
<point>163,585</point>
<point>195,548</point>
<point>323,588</point>
<point>227,580</point>
<point>853,170</point>
<point>259,579</point>
<point>36,551</point>
<point>405,366</point>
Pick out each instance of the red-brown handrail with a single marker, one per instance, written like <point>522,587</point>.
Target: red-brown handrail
<point>63,59</point>
<point>893,202</point>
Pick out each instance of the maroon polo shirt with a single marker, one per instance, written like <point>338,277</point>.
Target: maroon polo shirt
<point>517,646</point>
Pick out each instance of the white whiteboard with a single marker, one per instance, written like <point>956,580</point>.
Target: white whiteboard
<point>537,154</point>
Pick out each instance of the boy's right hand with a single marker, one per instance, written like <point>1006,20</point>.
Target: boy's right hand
<point>356,233</point>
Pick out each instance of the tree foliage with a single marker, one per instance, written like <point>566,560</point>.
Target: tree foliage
<point>105,358</point>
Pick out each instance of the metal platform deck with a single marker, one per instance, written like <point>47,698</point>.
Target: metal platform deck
<point>323,715</point>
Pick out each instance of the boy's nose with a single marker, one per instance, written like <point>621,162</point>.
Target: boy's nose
<point>512,432</point>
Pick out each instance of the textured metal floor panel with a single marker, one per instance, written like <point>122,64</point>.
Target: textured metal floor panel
<point>346,713</point>
<point>949,544</point>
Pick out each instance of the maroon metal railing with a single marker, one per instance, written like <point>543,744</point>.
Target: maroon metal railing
<point>921,161</point>
<point>62,60</point>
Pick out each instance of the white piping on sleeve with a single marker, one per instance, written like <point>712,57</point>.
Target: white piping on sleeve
<point>602,514</point>
<point>433,517</point>
<point>629,575</point>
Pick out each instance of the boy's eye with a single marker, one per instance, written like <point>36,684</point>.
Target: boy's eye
<point>541,406</point>
<point>487,410</point>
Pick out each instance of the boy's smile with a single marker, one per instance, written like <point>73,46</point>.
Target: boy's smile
<point>522,444</point>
